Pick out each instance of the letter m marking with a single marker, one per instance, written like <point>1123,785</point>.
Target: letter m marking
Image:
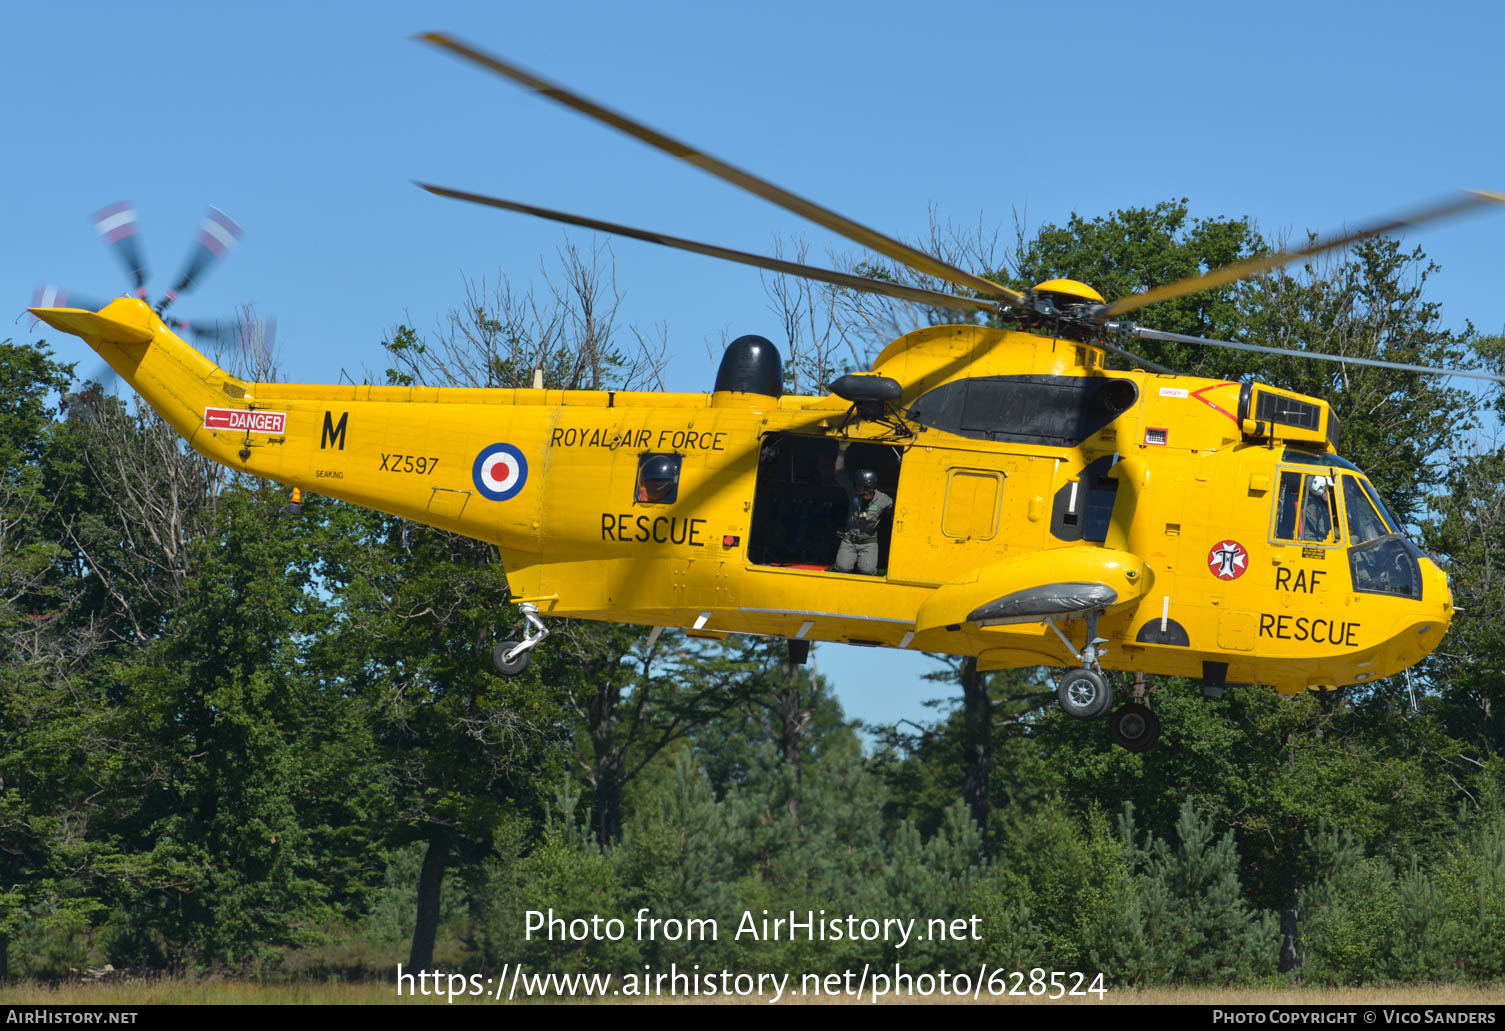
<point>333,432</point>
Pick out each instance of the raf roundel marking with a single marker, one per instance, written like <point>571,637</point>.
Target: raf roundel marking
<point>1228,560</point>
<point>500,472</point>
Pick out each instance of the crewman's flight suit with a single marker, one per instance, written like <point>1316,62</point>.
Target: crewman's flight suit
<point>859,542</point>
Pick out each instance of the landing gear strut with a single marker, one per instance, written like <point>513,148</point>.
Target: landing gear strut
<point>511,657</point>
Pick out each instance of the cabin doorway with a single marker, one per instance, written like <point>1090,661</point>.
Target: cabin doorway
<point>800,505</point>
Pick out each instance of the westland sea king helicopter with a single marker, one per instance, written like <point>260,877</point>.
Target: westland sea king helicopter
<point>1046,510</point>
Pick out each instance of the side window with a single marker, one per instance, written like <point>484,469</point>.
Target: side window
<point>658,478</point>
<point>1287,506</point>
<point>1083,508</point>
<point>1306,508</point>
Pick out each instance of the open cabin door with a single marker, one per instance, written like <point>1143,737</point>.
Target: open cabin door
<point>959,510</point>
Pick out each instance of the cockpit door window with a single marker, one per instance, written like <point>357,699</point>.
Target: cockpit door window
<point>1306,509</point>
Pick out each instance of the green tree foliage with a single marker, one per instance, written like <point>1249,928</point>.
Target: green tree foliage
<point>1369,302</point>
<point>1468,526</point>
<point>1057,890</point>
<point>981,750</point>
<point>252,779</point>
<point>418,612</point>
<point>175,773</point>
<point>1132,250</point>
<point>43,890</point>
<point>1370,923</point>
<point>1192,922</point>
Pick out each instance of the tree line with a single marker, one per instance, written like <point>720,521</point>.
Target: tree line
<point>237,738</point>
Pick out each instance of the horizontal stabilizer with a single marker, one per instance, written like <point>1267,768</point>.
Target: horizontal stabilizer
<point>93,326</point>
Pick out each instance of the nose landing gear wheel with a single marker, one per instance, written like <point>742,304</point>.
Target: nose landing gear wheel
<point>513,666</point>
<point>1135,727</point>
<point>1084,694</point>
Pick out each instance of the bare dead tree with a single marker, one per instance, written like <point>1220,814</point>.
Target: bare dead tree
<point>559,332</point>
<point>653,354</point>
<point>807,314</point>
<point>867,322</point>
<point>248,350</point>
<point>156,497</point>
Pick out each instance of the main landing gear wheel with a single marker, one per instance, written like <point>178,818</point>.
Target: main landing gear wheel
<point>1084,694</point>
<point>1135,727</point>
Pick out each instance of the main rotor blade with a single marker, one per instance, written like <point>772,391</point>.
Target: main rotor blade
<point>1145,362</point>
<point>861,234</point>
<point>1254,266</point>
<point>1181,338</point>
<point>933,298</point>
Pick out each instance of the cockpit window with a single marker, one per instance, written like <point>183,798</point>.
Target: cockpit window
<point>1381,560</point>
<point>1386,566</point>
<point>1385,512</point>
<point>1364,522</point>
<point>1306,509</point>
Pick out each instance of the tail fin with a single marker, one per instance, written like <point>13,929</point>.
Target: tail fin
<point>172,377</point>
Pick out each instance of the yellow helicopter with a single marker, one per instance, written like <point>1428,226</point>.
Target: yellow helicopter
<point>984,492</point>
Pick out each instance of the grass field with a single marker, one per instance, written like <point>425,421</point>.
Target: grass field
<point>221,992</point>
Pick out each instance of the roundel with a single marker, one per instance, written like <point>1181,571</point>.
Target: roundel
<point>500,472</point>
<point>1228,560</point>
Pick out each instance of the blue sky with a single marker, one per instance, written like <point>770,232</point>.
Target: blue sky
<point>306,122</point>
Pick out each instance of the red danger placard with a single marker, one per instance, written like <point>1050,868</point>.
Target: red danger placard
<point>240,420</point>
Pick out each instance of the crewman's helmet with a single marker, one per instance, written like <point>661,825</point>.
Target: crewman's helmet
<point>657,478</point>
<point>865,480</point>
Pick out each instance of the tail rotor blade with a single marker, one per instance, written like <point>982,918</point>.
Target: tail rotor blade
<point>218,233</point>
<point>47,295</point>
<point>119,227</point>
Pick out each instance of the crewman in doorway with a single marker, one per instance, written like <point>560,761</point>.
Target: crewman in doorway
<point>867,507</point>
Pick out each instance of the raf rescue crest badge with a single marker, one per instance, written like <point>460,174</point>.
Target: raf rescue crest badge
<point>1228,560</point>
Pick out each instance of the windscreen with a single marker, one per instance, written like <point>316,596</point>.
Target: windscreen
<point>1364,521</point>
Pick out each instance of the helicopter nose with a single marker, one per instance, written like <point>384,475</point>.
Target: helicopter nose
<point>1437,596</point>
